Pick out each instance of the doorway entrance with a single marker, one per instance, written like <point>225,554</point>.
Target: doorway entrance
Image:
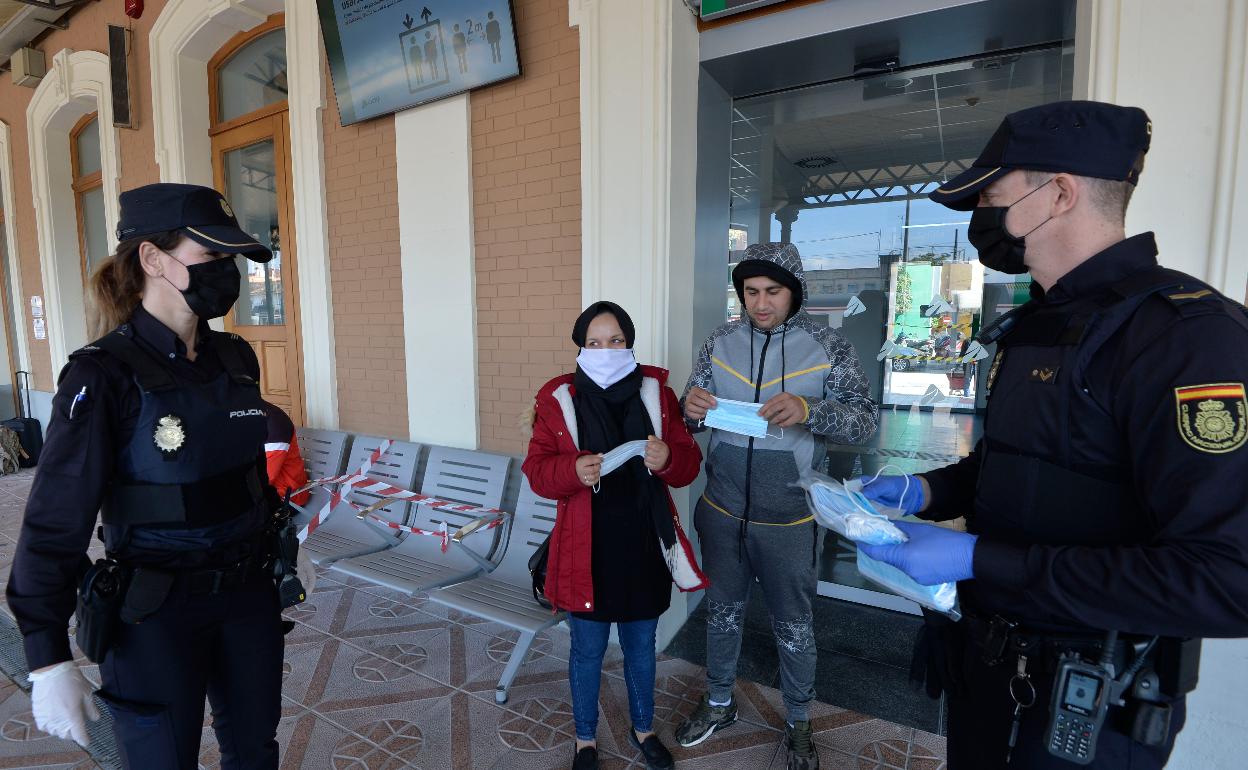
<point>842,171</point>
<point>251,166</point>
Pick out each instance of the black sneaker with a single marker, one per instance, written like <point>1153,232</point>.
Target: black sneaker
<point>704,721</point>
<point>802,752</point>
<point>586,759</point>
<point>656,754</point>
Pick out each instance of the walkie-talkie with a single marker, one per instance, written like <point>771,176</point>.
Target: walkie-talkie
<point>1081,697</point>
<point>286,555</point>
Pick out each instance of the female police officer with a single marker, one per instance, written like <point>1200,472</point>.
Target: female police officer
<point>160,427</point>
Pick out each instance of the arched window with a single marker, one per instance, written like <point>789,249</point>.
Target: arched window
<point>247,91</point>
<point>84,153</point>
<point>251,78</point>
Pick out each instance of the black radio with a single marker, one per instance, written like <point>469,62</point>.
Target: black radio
<point>1081,697</point>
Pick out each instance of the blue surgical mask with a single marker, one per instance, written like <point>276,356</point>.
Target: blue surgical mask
<point>622,454</point>
<point>606,366</point>
<point>738,417</point>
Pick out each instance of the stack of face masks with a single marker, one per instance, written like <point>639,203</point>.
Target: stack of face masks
<point>739,417</point>
<point>851,515</point>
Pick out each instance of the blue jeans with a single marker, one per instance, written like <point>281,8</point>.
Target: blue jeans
<point>589,644</point>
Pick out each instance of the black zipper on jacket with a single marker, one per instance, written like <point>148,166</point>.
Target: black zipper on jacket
<point>749,450</point>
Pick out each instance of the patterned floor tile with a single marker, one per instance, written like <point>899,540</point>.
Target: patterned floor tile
<point>24,745</point>
<point>882,744</point>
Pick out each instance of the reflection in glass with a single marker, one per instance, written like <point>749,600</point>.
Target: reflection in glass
<point>88,148</point>
<point>94,231</point>
<point>251,187</point>
<point>252,78</point>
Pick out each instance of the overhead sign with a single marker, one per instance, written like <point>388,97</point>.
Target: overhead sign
<point>388,55</point>
<point>714,9</point>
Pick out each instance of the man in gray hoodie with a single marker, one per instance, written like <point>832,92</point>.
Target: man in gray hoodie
<point>752,519</point>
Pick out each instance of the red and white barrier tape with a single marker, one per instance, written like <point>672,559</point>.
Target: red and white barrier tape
<point>360,482</point>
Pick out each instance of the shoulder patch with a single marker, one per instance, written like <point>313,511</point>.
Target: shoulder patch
<point>1213,417</point>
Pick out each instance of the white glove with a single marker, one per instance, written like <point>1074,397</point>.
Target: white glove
<point>61,701</point>
<point>306,572</point>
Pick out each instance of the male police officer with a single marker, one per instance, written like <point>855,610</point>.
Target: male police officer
<point>1105,504</point>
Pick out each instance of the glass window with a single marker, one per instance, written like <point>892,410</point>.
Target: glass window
<point>7,356</point>
<point>88,148</point>
<point>253,77</point>
<point>94,230</point>
<point>88,193</point>
<point>250,185</point>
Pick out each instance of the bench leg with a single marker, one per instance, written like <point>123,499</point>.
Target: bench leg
<point>518,654</point>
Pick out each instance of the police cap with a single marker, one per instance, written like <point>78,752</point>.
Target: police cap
<point>200,213</point>
<point>1092,139</point>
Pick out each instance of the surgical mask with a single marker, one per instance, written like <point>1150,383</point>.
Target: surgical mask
<point>851,514</point>
<point>213,286</point>
<point>606,366</point>
<point>622,454</point>
<point>738,417</point>
<point>998,248</point>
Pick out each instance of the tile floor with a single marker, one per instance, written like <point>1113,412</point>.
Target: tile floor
<point>376,679</point>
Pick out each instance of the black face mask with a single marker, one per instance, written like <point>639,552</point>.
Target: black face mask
<point>213,288</point>
<point>998,248</point>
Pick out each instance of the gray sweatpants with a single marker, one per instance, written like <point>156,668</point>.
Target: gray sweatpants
<point>782,559</point>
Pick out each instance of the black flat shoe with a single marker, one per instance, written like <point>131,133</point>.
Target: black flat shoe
<point>586,759</point>
<point>656,754</point>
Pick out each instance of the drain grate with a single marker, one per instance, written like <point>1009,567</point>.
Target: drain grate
<point>103,749</point>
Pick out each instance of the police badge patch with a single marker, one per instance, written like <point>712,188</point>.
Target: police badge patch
<point>1213,418</point>
<point>169,436</point>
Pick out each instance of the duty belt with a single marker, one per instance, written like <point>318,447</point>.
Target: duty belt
<point>999,639</point>
<point>228,578</point>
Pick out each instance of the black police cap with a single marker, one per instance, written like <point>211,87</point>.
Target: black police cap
<point>1092,139</point>
<point>200,213</point>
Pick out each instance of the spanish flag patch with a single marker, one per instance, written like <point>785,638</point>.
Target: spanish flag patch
<point>1212,418</point>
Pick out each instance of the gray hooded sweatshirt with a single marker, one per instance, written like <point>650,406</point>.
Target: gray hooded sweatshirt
<point>753,479</point>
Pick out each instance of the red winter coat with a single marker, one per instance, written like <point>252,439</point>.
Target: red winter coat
<point>551,469</point>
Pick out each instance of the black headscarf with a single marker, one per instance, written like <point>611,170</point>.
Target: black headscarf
<point>581,327</point>
<point>608,417</point>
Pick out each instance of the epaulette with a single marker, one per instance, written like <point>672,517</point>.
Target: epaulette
<point>1193,300</point>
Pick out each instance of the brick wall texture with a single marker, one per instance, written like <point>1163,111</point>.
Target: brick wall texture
<point>526,158</point>
<point>526,188</point>
<point>362,201</point>
<point>87,32</point>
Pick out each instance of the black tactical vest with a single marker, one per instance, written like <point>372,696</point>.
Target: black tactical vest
<point>189,479</point>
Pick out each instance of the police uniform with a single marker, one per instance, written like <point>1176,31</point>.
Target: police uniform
<point>1108,491</point>
<point>170,451</point>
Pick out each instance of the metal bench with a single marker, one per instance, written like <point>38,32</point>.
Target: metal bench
<point>418,563</point>
<point>343,535</point>
<point>505,595</point>
<point>324,454</point>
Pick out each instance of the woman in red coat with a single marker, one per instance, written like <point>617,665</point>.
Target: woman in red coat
<point>617,545</point>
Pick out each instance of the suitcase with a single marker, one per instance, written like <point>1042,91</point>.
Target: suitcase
<point>26,427</point>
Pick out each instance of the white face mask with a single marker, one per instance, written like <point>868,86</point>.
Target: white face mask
<point>606,366</point>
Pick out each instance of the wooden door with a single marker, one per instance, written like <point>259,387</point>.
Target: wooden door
<point>251,166</point>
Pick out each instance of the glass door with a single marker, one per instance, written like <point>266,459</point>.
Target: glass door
<point>842,171</point>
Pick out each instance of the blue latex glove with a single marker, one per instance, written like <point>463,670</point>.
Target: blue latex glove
<point>931,556</point>
<point>888,492</point>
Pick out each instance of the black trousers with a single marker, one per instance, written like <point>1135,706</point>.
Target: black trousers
<point>980,716</point>
<point>227,646</point>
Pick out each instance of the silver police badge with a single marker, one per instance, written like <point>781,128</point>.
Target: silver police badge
<point>169,435</point>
